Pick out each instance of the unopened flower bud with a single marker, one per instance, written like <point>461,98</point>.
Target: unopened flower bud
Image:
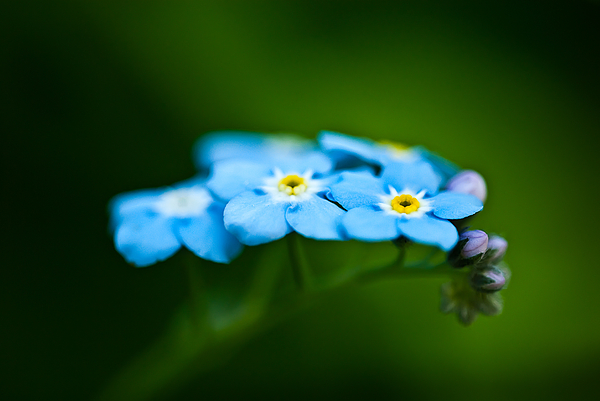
<point>488,279</point>
<point>477,243</point>
<point>497,245</point>
<point>469,250</point>
<point>468,182</point>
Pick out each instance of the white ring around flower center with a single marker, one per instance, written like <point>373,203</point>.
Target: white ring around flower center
<point>309,186</point>
<point>386,203</point>
<point>183,202</point>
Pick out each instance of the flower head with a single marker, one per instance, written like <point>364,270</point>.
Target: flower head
<point>402,202</point>
<point>151,225</point>
<point>268,199</point>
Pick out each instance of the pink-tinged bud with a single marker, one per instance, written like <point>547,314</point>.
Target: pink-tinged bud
<point>488,279</point>
<point>498,245</point>
<point>477,243</point>
<point>468,182</point>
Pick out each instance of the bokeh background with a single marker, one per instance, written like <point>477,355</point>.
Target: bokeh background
<point>104,97</point>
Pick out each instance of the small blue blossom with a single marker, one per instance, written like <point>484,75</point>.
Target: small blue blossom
<point>345,149</point>
<point>151,225</point>
<point>241,145</point>
<point>272,198</point>
<point>402,202</point>
<point>231,177</point>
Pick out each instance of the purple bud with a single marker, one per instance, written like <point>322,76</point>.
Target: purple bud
<point>468,182</point>
<point>488,279</point>
<point>499,245</point>
<point>477,243</point>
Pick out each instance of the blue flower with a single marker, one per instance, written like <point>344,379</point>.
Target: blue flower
<point>402,202</point>
<point>240,145</point>
<point>151,225</point>
<point>272,198</point>
<point>345,150</point>
<point>231,177</point>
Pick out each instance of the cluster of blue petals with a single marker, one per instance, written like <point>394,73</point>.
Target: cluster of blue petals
<point>344,180</point>
<point>146,231</point>
<point>350,151</point>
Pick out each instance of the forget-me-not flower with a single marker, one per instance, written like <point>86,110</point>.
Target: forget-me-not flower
<point>274,197</point>
<point>344,148</point>
<point>151,225</point>
<point>402,202</point>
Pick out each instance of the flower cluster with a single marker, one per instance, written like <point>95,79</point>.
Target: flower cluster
<point>482,274</point>
<point>254,188</point>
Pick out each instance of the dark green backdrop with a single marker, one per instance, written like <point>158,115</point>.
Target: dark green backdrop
<point>100,98</point>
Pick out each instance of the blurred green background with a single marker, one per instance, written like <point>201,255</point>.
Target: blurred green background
<point>104,97</point>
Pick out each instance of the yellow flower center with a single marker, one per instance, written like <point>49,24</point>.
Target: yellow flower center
<point>405,204</point>
<point>399,147</point>
<point>292,185</point>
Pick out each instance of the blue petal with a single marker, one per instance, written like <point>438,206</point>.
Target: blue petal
<point>274,150</point>
<point>429,230</point>
<point>339,144</point>
<point>232,177</point>
<point>128,202</point>
<point>222,145</point>
<point>144,238</point>
<point>455,205</point>
<point>367,224</point>
<point>299,162</point>
<point>445,167</point>
<point>356,189</point>
<point>315,218</point>
<point>206,236</point>
<point>255,218</point>
<point>415,176</point>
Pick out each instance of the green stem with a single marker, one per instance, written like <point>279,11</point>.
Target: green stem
<point>198,302</point>
<point>401,256</point>
<point>298,263</point>
<point>194,343</point>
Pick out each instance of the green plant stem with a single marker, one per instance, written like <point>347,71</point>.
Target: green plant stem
<point>198,302</point>
<point>194,343</point>
<point>300,270</point>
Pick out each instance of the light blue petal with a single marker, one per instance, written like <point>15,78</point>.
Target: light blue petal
<point>368,224</point>
<point>444,167</point>
<point>455,205</point>
<point>315,218</point>
<point>356,189</point>
<point>339,144</point>
<point>429,230</point>
<point>144,238</point>
<point>125,203</point>
<point>265,148</point>
<point>299,162</point>
<point>255,218</point>
<point>206,236</point>
<point>222,145</point>
<point>415,176</point>
<point>232,177</point>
